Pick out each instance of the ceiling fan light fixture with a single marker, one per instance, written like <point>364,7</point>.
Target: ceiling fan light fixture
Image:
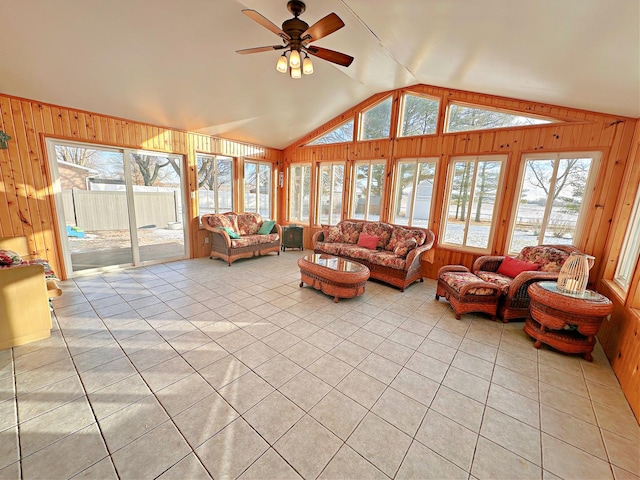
<point>296,73</point>
<point>281,66</point>
<point>294,59</point>
<point>307,66</point>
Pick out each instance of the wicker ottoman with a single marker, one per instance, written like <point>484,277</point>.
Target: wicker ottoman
<point>466,292</point>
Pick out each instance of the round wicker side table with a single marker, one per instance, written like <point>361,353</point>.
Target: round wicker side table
<point>567,322</point>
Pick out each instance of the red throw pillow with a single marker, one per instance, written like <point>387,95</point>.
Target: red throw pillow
<point>512,266</point>
<point>368,241</point>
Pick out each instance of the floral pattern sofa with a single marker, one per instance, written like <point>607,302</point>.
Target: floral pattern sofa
<point>241,235</point>
<point>532,264</point>
<point>391,252</point>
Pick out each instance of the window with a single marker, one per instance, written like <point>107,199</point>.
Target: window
<point>419,115</point>
<point>462,118</point>
<point>330,187</point>
<point>368,183</point>
<point>414,188</point>
<point>215,186</point>
<point>630,248</point>
<point>472,199</point>
<point>376,122</point>
<point>343,133</point>
<point>299,188</point>
<point>257,188</point>
<point>552,193</point>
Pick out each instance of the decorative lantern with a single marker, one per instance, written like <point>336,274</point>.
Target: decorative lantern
<point>574,274</point>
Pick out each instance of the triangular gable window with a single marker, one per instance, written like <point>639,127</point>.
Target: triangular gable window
<point>340,134</point>
<point>463,118</point>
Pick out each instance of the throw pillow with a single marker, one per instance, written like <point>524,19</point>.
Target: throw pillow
<point>368,241</point>
<point>231,233</point>
<point>402,249</point>
<point>332,234</point>
<point>9,257</point>
<point>511,267</point>
<point>266,227</point>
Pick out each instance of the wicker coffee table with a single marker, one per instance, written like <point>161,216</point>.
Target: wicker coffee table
<point>565,321</point>
<point>334,276</point>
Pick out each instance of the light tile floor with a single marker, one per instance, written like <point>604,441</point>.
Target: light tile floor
<point>195,369</point>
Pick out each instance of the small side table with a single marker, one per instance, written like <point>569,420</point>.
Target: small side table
<point>565,321</point>
<point>291,237</point>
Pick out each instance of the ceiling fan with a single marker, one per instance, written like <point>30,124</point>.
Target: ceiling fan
<point>296,37</point>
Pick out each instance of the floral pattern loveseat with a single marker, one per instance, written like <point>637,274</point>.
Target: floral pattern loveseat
<point>241,235</point>
<point>391,252</point>
<point>532,264</point>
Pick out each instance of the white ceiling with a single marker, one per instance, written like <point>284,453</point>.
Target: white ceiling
<point>173,63</point>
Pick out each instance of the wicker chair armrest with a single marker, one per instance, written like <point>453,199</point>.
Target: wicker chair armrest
<point>452,268</point>
<point>521,282</point>
<point>414,256</point>
<point>277,229</point>
<point>317,237</point>
<point>487,263</point>
<point>479,284</point>
<point>221,233</point>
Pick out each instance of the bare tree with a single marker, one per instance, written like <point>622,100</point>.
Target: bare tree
<point>84,157</point>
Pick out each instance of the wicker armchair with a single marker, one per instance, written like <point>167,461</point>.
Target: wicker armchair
<point>514,302</point>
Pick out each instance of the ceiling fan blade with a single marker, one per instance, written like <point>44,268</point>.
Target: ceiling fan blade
<point>256,17</point>
<point>330,55</point>
<point>260,49</point>
<point>322,28</point>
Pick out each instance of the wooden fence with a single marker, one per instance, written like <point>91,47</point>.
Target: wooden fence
<point>99,210</point>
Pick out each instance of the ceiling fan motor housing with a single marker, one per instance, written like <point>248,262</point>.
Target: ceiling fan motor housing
<point>296,7</point>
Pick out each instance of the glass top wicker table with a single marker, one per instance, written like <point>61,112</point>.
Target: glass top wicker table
<point>334,276</point>
<point>565,321</point>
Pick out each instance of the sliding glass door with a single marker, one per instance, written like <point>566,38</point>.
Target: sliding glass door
<point>118,207</point>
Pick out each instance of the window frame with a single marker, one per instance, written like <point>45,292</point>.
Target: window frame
<point>244,186</point>
<point>447,117</point>
<point>438,100</point>
<point>596,157</point>
<point>353,206</point>
<point>216,200</point>
<point>362,113</point>
<point>629,252</point>
<point>398,191</point>
<point>311,143</point>
<point>333,165</point>
<point>503,159</point>
<point>303,167</point>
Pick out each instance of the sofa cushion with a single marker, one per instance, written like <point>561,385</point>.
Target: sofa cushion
<point>328,247</point>
<point>457,280</point>
<point>387,259</point>
<point>266,227</point>
<point>380,229</point>
<point>400,235</point>
<point>350,231</point>
<point>219,220</point>
<point>249,223</point>
<point>368,241</point>
<point>550,259</point>
<point>511,267</point>
<point>250,240</point>
<point>403,248</point>
<point>332,234</point>
<point>9,258</point>
<point>501,281</point>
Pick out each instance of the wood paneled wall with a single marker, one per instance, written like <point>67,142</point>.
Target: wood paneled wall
<point>620,336</point>
<point>26,197</point>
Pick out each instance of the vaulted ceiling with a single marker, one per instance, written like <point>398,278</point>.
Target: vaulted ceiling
<point>174,64</point>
